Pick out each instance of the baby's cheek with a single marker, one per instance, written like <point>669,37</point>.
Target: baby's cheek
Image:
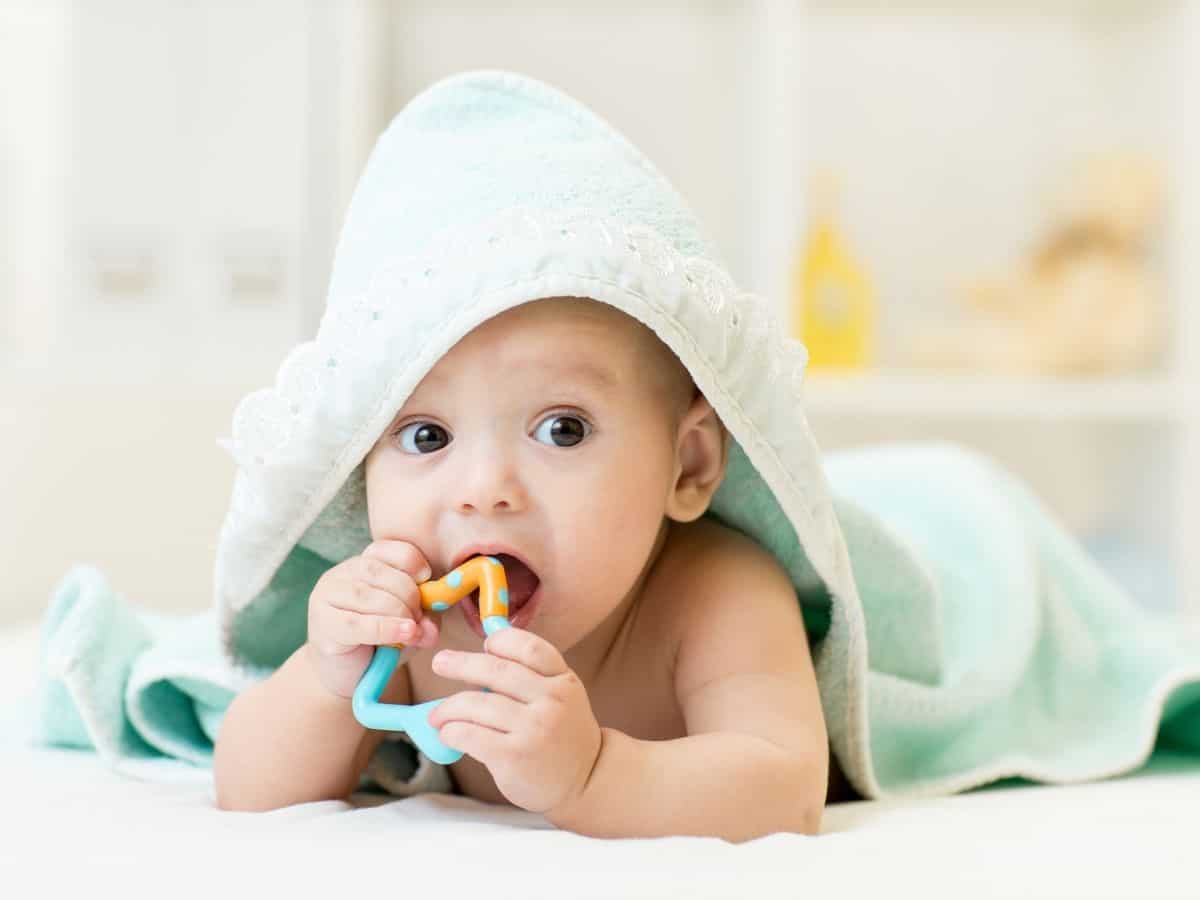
<point>621,530</point>
<point>399,508</point>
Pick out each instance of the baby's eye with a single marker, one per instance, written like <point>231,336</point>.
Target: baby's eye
<point>423,437</point>
<point>562,431</point>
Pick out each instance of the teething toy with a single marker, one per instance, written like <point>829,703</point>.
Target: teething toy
<point>483,572</point>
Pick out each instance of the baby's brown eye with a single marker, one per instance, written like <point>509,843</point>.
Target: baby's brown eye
<point>562,431</point>
<point>423,437</point>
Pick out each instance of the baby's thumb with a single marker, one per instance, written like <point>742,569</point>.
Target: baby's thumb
<point>427,630</point>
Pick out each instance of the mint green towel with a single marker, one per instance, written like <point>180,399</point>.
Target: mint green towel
<point>128,682</point>
<point>997,647</point>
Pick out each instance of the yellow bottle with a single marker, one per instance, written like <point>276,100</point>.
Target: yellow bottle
<point>833,310</point>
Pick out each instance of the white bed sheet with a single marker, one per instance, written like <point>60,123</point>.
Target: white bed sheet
<point>72,823</point>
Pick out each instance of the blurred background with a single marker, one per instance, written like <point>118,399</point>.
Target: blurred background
<point>982,217</point>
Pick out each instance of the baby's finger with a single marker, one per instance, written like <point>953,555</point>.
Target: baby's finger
<point>346,628</point>
<point>358,596</point>
<point>426,632</point>
<point>401,555</point>
<point>493,672</point>
<point>530,650</point>
<point>484,744</point>
<point>491,710</point>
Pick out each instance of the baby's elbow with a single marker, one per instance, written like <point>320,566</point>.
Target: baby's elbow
<point>233,794</point>
<point>236,786</point>
<point>229,801</point>
<point>808,817</point>
<point>806,799</point>
<point>802,815</point>
<point>792,802</point>
<point>240,797</point>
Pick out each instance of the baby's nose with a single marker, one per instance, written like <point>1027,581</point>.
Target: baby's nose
<point>494,487</point>
<point>475,505</point>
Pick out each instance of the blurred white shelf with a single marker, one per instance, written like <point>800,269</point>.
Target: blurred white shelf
<point>1144,400</point>
<point>1119,10</point>
<point>243,370</point>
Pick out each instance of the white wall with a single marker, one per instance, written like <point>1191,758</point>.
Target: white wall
<point>125,477</point>
<point>153,167</point>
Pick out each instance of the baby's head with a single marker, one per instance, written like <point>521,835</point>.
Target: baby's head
<point>562,433</point>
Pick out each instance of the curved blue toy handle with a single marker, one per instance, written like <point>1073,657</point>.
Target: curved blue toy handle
<point>414,720</point>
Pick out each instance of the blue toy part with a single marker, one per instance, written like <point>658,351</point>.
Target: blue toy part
<point>486,573</point>
<point>413,720</point>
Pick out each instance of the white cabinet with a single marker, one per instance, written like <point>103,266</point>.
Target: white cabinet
<point>174,187</point>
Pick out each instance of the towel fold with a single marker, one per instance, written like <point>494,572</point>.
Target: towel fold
<point>144,689</point>
<point>126,681</point>
<point>996,646</point>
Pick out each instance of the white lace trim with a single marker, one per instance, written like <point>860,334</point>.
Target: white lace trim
<point>266,421</point>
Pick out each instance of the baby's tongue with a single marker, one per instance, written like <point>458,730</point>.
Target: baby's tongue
<point>521,581</point>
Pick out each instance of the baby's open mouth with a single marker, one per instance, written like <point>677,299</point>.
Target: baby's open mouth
<point>522,584</point>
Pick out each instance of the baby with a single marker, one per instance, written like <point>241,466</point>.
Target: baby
<point>658,678</point>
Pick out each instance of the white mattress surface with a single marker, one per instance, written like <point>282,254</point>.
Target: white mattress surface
<point>74,824</point>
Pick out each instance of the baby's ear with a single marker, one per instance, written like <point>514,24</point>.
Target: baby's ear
<point>701,452</point>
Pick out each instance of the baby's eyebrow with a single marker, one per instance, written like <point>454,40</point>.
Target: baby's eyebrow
<point>555,369</point>
<point>584,370</point>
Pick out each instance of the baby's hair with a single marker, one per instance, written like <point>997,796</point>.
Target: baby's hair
<point>673,380</point>
<point>672,376</point>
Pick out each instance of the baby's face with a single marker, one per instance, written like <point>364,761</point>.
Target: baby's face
<point>547,435</point>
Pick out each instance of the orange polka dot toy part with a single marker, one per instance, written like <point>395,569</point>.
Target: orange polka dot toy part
<point>483,572</point>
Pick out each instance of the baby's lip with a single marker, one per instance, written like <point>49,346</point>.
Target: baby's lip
<point>522,579</point>
<point>493,549</point>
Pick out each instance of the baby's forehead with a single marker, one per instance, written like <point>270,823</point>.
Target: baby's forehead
<point>592,318</point>
<point>548,338</point>
<point>566,325</point>
<point>600,335</point>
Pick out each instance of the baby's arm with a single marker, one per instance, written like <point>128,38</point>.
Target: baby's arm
<point>290,740</point>
<point>293,738</point>
<point>756,758</point>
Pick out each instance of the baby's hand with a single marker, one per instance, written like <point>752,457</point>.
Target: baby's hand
<point>364,601</point>
<point>534,729</point>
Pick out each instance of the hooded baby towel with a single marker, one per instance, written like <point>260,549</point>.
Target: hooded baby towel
<point>487,191</point>
<point>959,634</point>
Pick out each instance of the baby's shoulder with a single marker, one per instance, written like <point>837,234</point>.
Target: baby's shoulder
<point>706,563</point>
<point>730,609</point>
